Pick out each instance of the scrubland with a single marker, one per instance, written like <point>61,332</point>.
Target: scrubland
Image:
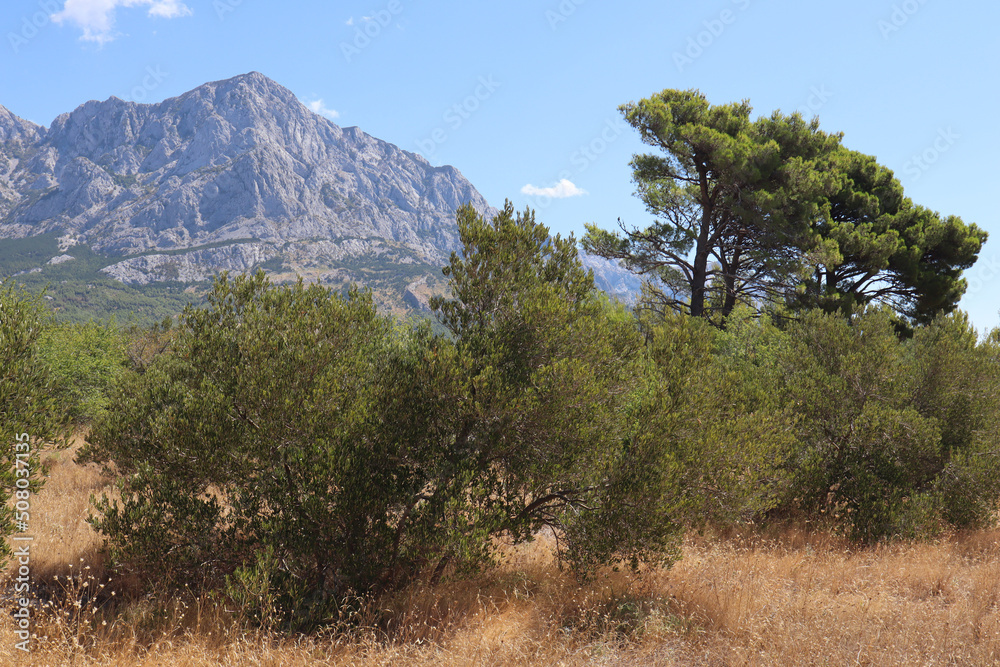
<point>787,596</point>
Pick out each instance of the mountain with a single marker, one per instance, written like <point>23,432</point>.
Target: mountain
<point>16,136</point>
<point>233,175</point>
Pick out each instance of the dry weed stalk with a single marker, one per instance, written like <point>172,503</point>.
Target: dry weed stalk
<point>790,597</point>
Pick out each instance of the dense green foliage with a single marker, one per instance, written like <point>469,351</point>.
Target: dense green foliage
<point>30,420</point>
<point>86,361</point>
<point>291,447</point>
<point>17,255</point>
<point>294,449</point>
<point>890,437</point>
<point>893,438</point>
<point>546,429</point>
<point>258,430</point>
<point>297,422</point>
<point>885,248</point>
<point>776,210</point>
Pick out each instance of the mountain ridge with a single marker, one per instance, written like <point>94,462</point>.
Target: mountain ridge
<point>234,174</point>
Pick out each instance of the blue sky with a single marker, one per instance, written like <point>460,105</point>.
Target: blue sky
<point>522,96</point>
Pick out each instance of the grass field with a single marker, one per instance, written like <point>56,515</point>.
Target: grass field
<point>789,598</point>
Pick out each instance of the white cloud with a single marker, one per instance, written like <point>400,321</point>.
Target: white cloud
<point>97,17</point>
<point>560,190</point>
<point>317,106</point>
<point>169,9</point>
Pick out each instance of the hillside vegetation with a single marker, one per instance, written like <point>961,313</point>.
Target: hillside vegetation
<point>762,462</point>
<point>77,290</point>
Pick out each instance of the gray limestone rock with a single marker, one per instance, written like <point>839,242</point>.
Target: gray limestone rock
<point>232,175</point>
<point>231,160</point>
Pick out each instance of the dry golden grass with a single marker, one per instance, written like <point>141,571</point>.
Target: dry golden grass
<point>792,598</point>
<point>61,533</point>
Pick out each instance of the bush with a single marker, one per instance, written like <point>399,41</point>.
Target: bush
<point>258,431</point>
<point>719,416</point>
<point>956,382</point>
<point>546,428</point>
<point>896,437</point>
<point>354,455</point>
<point>86,360</point>
<point>30,417</point>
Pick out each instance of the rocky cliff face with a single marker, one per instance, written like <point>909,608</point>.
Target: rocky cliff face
<point>232,160</point>
<point>232,175</point>
<point>16,137</point>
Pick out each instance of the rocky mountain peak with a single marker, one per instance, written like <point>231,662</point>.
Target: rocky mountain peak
<point>232,175</point>
<point>240,165</point>
<point>13,128</point>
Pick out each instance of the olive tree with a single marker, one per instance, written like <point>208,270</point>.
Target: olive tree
<point>554,377</point>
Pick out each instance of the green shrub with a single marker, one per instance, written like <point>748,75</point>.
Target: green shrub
<point>896,437</point>
<point>30,417</point>
<point>86,360</point>
<point>299,424</point>
<point>956,382</point>
<point>257,431</point>
<point>719,416</point>
<point>544,427</point>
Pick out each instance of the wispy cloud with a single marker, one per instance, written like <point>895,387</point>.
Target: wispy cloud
<point>560,190</point>
<point>97,17</point>
<point>317,106</point>
<point>169,9</point>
